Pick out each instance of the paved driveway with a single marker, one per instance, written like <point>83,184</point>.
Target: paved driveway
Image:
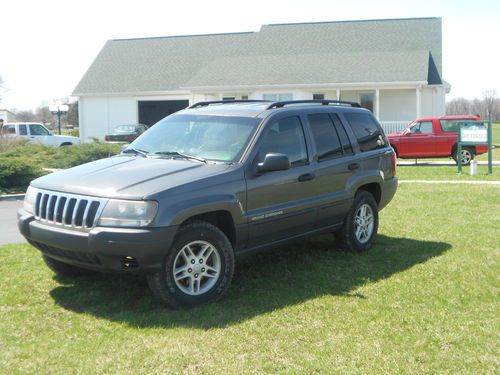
<point>8,222</point>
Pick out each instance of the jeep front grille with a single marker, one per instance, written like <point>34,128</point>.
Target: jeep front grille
<point>68,210</point>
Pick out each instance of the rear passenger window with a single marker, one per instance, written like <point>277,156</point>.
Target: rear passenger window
<point>366,131</point>
<point>325,136</point>
<point>23,130</point>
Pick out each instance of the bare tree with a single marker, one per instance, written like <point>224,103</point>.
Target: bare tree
<point>458,106</point>
<point>489,101</point>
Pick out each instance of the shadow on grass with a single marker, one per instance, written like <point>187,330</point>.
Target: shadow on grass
<point>261,284</point>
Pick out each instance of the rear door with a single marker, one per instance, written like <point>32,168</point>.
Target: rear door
<point>278,203</point>
<point>332,161</point>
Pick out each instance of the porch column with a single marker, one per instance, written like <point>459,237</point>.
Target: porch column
<point>338,94</point>
<point>377,105</point>
<point>419,100</point>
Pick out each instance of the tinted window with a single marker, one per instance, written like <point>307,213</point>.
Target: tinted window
<point>454,125</point>
<point>344,139</point>
<point>285,137</point>
<point>23,130</point>
<point>325,136</point>
<point>366,131</point>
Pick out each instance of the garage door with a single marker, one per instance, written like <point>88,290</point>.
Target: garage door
<point>152,111</point>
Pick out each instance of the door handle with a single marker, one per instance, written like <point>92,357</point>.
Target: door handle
<point>306,177</point>
<point>353,166</point>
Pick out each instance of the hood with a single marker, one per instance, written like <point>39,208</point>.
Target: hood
<point>127,177</point>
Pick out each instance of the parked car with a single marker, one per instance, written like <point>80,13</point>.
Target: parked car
<point>211,183</point>
<point>125,133</point>
<point>434,137</point>
<point>36,132</point>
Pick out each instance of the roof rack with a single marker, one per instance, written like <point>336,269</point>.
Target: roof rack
<point>205,104</point>
<point>322,102</point>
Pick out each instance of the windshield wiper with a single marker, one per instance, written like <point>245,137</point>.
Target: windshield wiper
<point>182,155</point>
<point>135,151</point>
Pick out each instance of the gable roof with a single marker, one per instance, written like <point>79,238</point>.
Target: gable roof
<point>286,54</point>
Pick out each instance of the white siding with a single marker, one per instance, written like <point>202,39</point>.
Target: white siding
<point>433,102</point>
<point>398,105</point>
<point>99,115</point>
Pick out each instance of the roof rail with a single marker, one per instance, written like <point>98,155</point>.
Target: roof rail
<point>322,102</point>
<point>205,104</point>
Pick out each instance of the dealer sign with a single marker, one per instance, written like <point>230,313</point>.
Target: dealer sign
<point>474,134</point>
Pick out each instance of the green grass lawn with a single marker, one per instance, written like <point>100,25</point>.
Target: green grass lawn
<point>423,300</point>
<point>446,172</point>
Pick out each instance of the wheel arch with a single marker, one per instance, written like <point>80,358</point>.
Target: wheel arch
<point>222,219</point>
<point>374,189</point>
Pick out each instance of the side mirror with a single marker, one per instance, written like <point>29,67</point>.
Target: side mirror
<point>274,162</point>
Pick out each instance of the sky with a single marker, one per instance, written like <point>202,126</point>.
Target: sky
<point>46,46</point>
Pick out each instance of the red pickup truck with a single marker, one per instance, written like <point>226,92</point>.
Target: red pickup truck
<point>434,137</point>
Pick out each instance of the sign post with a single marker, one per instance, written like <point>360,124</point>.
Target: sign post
<point>474,133</point>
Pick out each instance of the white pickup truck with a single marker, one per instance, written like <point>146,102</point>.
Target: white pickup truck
<point>36,132</point>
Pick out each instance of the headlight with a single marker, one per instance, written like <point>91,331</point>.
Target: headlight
<point>119,213</point>
<point>29,200</point>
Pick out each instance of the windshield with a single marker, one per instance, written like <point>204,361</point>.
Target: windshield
<point>125,129</point>
<point>219,138</point>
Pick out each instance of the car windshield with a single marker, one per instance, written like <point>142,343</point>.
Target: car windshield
<point>218,138</point>
<point>125,129</point>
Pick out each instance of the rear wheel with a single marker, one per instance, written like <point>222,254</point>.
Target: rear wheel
<point>198,267</point>
<point>64,269</point>
<point>361,224</point>
<point>466,157</point>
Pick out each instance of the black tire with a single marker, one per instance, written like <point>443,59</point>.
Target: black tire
<point>64,269</point>
<point>346,237</point>
<point>467,155</point>
<point>175,294</point>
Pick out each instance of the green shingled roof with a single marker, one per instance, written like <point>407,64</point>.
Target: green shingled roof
<point>314,53</point>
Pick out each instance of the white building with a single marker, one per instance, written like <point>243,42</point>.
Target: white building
<point>392,67</point>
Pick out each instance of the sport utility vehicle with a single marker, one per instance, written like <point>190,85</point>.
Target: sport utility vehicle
<point>211,183</point>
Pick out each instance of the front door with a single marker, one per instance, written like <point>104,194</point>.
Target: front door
<point>419,141</point>
<point>278,203</point>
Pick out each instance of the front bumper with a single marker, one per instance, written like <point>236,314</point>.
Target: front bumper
<point>102,248</point>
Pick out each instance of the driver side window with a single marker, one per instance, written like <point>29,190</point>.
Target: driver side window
<point>424,127</point>
<point>285,137</point>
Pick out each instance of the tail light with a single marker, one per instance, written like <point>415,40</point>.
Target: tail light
<point>130,138</point>
<point>393,163</point>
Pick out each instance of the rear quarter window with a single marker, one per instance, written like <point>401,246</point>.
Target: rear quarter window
<point>366,131</point>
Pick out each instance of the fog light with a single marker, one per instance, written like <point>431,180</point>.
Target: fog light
<point>130,262</point>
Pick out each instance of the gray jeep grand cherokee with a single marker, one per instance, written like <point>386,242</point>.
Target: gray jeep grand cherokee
<point>211,183</point>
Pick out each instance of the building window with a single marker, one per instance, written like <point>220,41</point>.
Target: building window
<point>244,97</point>
<point>318,96</point>
<point>228,98</point>
<point>278,97</point>
<point>366,101</point>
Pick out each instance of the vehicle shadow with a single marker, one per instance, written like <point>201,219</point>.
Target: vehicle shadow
<point>261,284</point>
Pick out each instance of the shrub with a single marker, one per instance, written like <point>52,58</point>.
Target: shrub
<point>16,173</point>
<point>20,165</point>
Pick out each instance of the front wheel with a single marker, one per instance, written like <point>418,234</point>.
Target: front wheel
<point>466,158</point>
<point>361,224</point>
<point>198,267</point>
